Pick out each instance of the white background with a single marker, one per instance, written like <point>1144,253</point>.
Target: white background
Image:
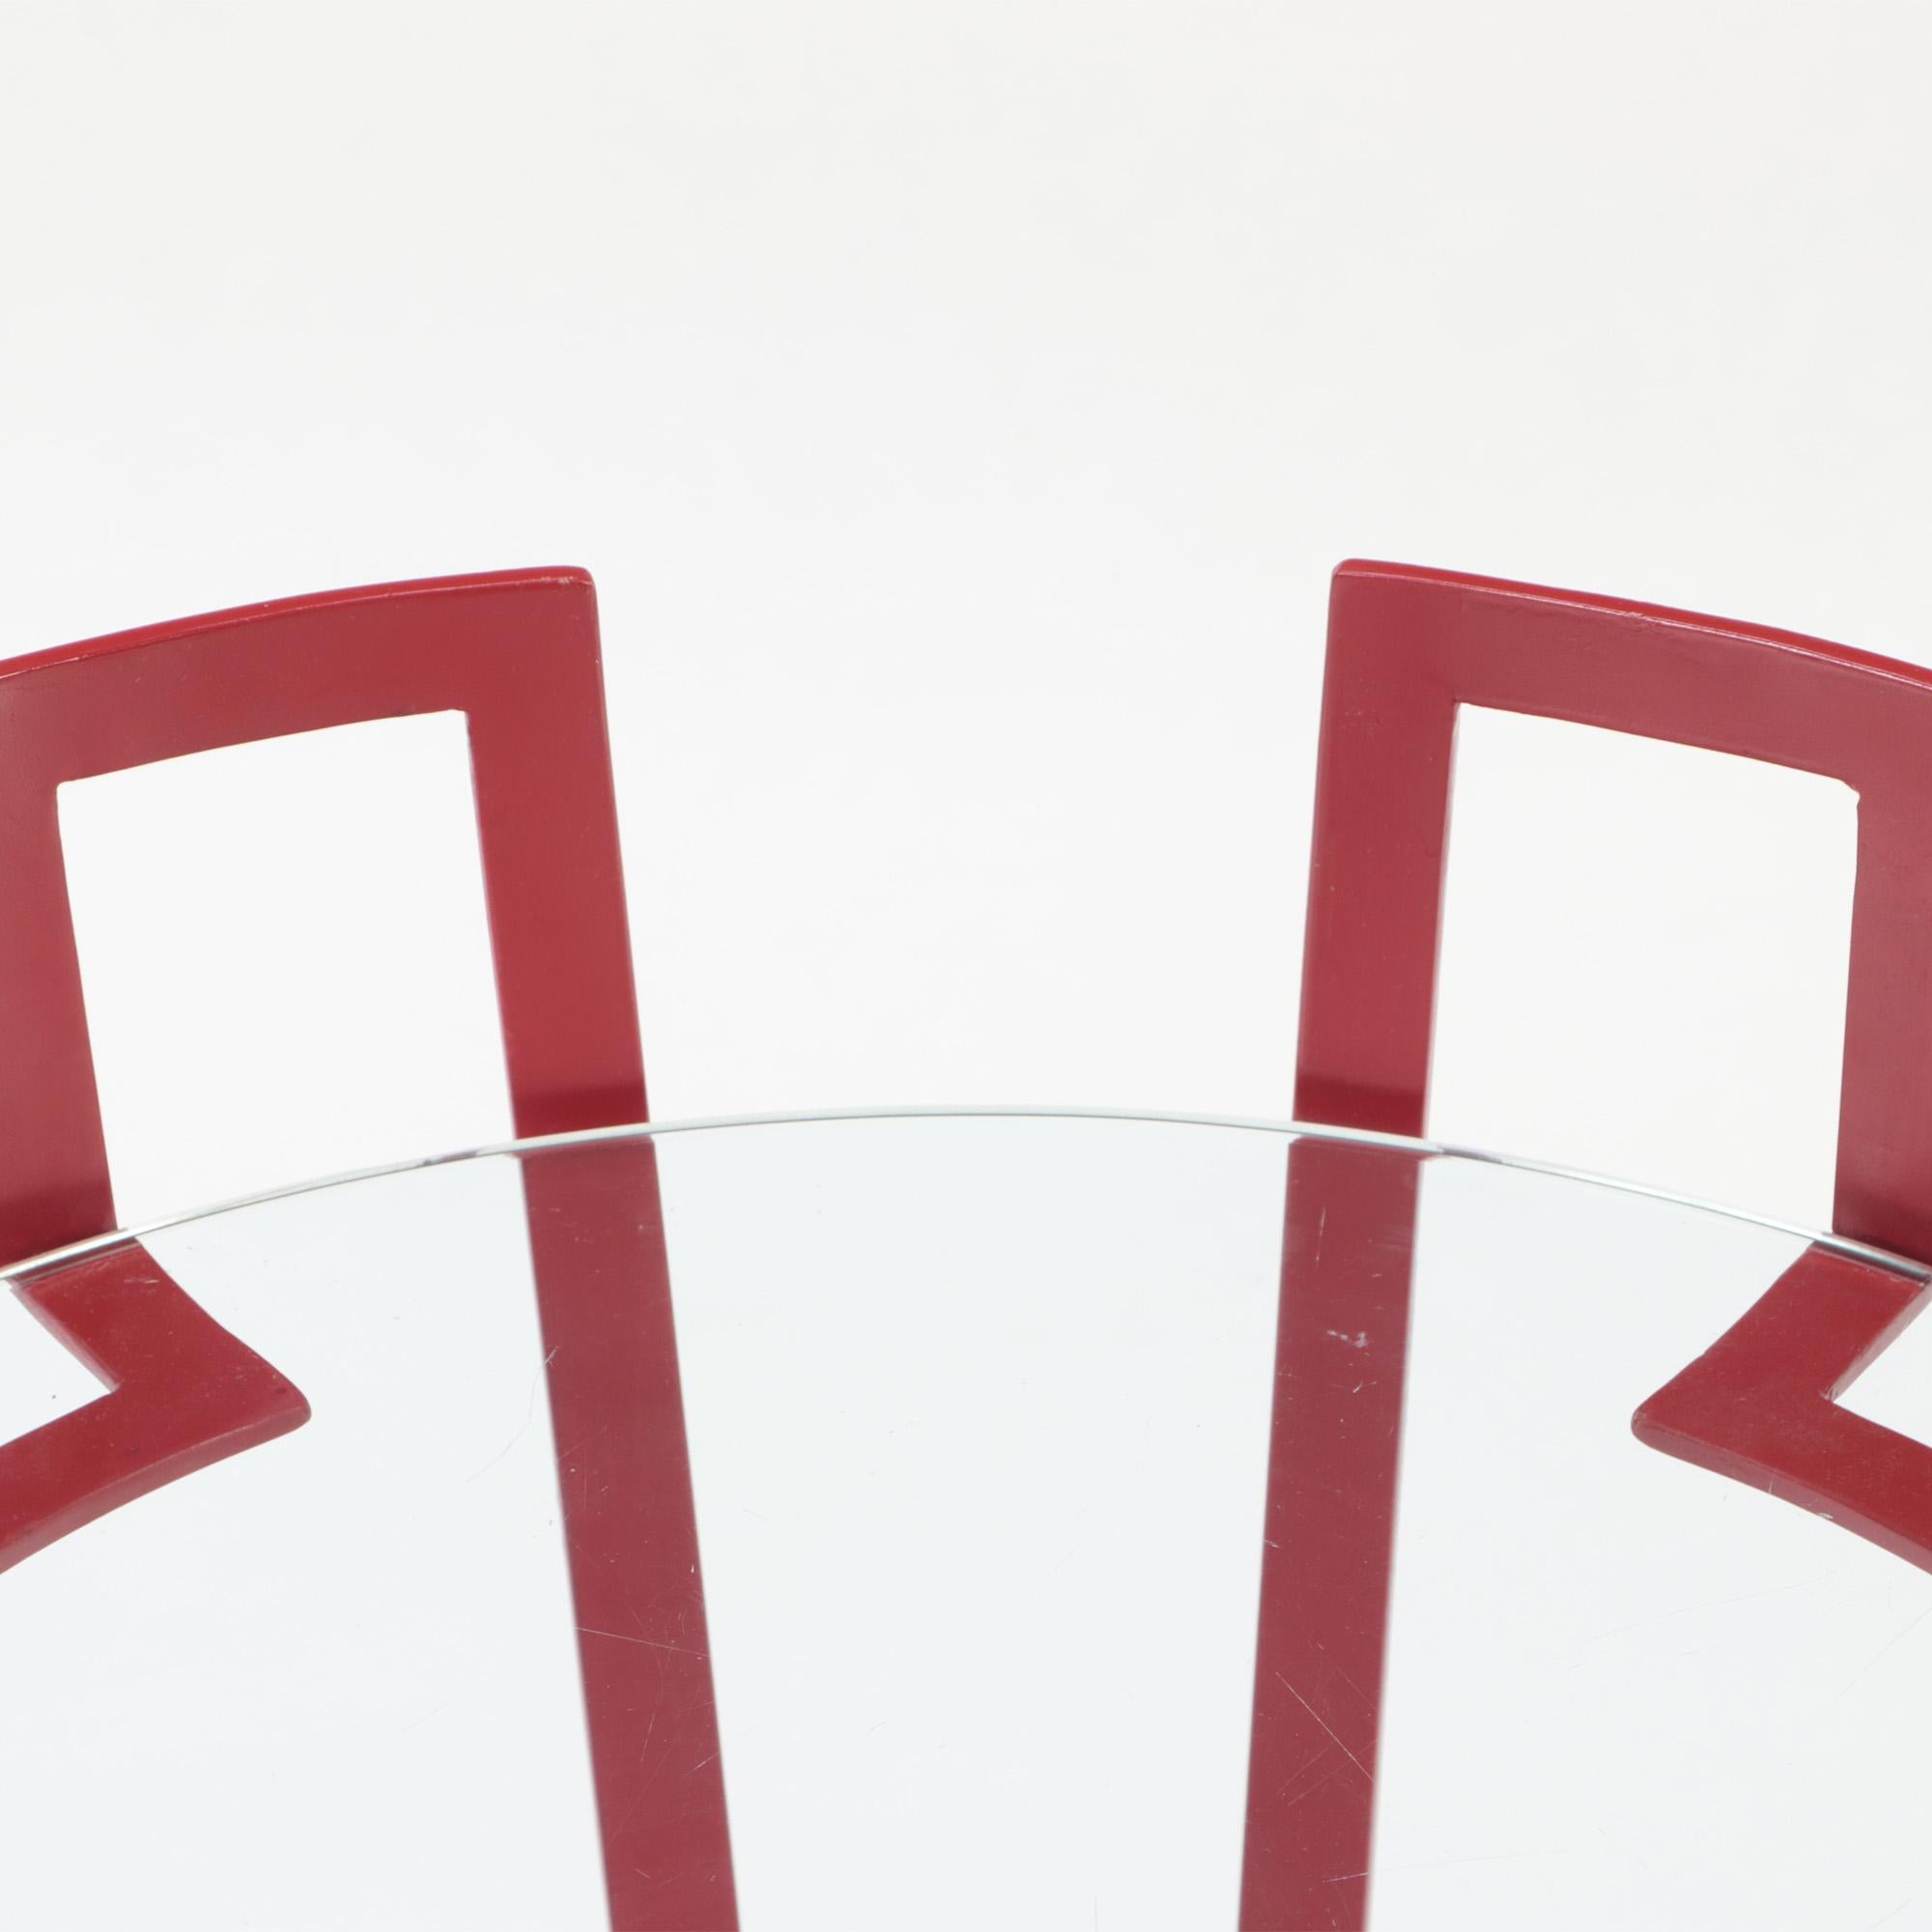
<point>961,407</point>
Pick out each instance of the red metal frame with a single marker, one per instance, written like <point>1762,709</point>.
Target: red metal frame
<point>516,652</point>
<point>1405,648</point>
<point>1341,1335</point>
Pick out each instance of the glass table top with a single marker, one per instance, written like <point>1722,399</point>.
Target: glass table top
<point>992,1492</point>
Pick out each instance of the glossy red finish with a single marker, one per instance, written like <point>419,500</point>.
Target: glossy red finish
<point>186,1393</point>
<point>1760,1404</point>
<point>597,1240</point>
<point>518,654</point>
<point>1341,1338</point>
<point>1405,648</point>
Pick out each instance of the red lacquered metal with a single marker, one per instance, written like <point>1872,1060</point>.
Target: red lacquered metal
<point>1341,1337</point>
<point>604,1297</point>
<point>1405,648</point>
<point>1760,1404</point>
<point>518,654</point>
<point>186,1393</point>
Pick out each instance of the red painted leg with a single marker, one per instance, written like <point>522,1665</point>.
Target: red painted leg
<point>1759,1404</point>
<point>182,1393</point>
<point>1340,1353</point>
<point>604,1290</point>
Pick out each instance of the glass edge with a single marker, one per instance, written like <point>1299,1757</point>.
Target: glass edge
<point>55,1258</point>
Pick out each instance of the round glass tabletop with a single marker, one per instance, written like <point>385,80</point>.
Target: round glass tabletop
<point>959,1520</point>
